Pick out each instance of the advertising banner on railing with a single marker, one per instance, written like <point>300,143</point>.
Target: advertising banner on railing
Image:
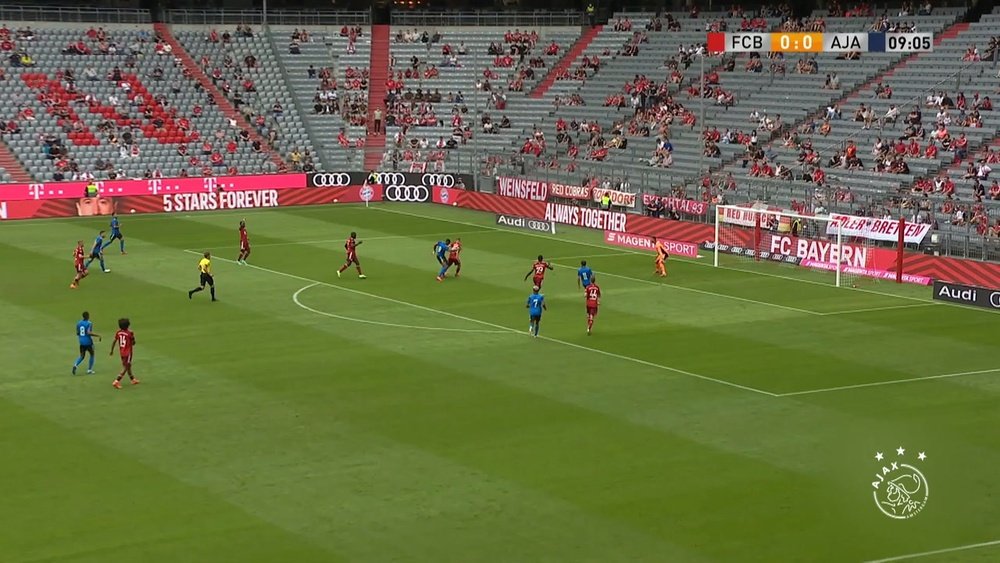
<point>876,229</point>
<point>522,188</point>
<point>618,199</point>
<point>680,205</point>
<point>156,186</point>
<point>184,203</point>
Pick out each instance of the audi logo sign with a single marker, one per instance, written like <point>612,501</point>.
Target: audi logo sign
<point>390,178</point>
<point>967,295</point>
<point>525,223</point>
<point>329,180</point>
<point>441,180</point>
<point>411,194</point>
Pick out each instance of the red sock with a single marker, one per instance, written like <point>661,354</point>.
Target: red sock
<point>359,270</point>
<point>590,322</point>
<point>342,268</point>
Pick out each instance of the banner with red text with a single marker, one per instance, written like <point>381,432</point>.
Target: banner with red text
<point>155,186</point>
<point>522,188</point>
<point>872,228</point>
<point>184,203</point>
<point>642,242</point>
<point>680,205</point>
<point>618,199</point>
<point>566,191</point>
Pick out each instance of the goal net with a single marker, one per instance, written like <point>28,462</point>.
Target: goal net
<point>760,238</point>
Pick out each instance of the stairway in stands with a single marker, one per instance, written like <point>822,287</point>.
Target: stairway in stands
<point>13,166</point>
<point>565,62</point>
<point>223,103</point>
<point>378,70</point>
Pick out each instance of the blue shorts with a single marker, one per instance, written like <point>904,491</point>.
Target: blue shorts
<point>441,259</point>
<point>116,234</point>
<point>535,316</point>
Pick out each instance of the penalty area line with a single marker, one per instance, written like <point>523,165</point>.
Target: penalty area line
<point>910,556</point>
<point>566,343</point>
<point>891,382</point>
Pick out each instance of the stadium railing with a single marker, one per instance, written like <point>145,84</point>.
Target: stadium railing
<point>272,17</point>
<point>72,14</point>
<point>532,20</point>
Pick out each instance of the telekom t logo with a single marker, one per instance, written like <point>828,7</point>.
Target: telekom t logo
<point>154,186</point>
<point>209,183</point>
<point>36,190</point>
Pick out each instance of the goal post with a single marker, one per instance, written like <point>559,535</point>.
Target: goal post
<point>750,237</point>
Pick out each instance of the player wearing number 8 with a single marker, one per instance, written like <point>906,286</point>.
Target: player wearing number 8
<point>124,341</point>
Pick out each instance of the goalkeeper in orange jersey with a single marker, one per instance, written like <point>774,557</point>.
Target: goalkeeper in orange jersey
<point>661,258</point>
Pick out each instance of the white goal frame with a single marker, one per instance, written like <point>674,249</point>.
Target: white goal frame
<point>758,222</point>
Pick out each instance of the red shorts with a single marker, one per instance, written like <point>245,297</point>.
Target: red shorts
<point>127,360</point>
<point>353,259</point>
<point>537,280</point>
<point>244,246</point>
<point>591,309</point>
<point>454,260</point>
<point>81,269</point>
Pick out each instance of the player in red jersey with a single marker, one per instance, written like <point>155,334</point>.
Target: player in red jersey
<point>244,244</point>
<point>454,259</point>
<point>81,270</point>
<point>351,246</point>
<point>124,341</point>
<point>538,271</point>
<point>593,295</point>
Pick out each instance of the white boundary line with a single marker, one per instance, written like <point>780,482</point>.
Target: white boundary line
<point>387,237</point>
<point>891,382</point>
<point>295,299</point>
<point>889,308</point>
<point>503,328</point>
<point>687,261</point>
<point>936,552</point>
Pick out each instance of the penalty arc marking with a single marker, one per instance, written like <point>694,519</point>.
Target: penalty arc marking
<point>296,299</point>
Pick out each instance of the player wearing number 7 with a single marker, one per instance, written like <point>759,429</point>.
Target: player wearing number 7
<point>124,341</point>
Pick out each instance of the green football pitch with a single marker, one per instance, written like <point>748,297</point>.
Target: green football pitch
<point>720,414</point>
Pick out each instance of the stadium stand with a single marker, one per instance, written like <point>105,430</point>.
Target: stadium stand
<point>326,79</point>
<point>115,101</point>
<point>480,76</point>
<point>240,63</point>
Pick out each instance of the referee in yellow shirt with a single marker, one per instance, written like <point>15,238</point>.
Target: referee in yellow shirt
<point>205,269</point>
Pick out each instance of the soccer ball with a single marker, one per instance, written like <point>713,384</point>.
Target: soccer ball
<point>132,211</point>
<point>336,200</point>
<point>455,204</point>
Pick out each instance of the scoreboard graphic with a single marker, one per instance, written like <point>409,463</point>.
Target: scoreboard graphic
<point>815,42</point>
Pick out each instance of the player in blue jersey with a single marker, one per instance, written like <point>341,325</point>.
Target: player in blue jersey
<point>85,334</point>
<point>97,253</point>
<point>116,233</point>
<point>535,306</point>
<point>440,249</point>
<point>584,275</point>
